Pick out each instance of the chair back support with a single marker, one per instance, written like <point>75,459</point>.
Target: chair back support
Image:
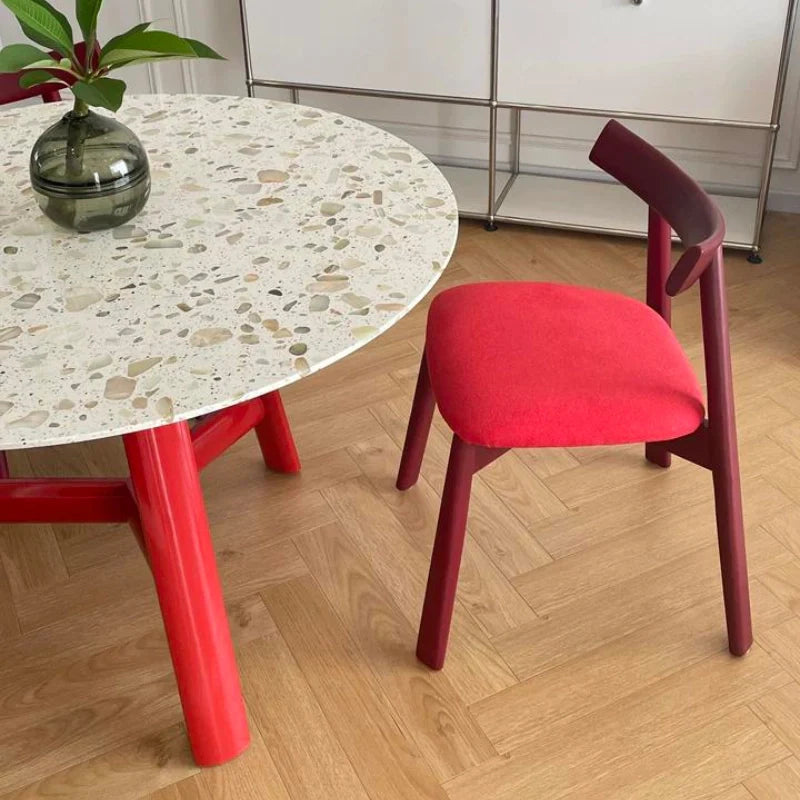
<point>12,92</point>
<point>669,192</point>
<point>677,202</point>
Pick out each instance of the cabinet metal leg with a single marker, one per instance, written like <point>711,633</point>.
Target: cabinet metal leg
<point>755,256</point>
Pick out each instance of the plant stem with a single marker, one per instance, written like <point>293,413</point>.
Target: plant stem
<point>76,137</point>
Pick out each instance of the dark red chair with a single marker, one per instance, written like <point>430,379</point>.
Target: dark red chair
<point>548,365</point>
<point>12,92</point>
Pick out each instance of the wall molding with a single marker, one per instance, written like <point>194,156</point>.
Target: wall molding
<point>145,14</point>
<point>181,16</point>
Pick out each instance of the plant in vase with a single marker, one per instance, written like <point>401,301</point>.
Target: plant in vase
<point>89,172</point>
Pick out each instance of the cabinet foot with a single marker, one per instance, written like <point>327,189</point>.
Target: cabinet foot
<point>755,257</point>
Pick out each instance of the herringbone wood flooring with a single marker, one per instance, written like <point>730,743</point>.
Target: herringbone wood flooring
<point>588,658</point>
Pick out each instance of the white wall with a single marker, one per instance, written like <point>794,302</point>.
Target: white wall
<point>723,158</point>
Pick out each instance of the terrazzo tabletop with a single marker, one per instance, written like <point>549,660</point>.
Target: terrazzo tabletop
<point>277,240</point>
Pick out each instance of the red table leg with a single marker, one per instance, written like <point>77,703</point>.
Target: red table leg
<point>275,436</point>
<point>176,534</point>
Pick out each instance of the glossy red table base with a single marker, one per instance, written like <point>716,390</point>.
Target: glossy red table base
<point>163,502</point>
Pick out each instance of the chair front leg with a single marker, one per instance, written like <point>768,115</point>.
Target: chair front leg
<point>419,426</point>
<point>275,436</point>
<point>440,595</point>
<point>4,470</point>
<point>176,537</point>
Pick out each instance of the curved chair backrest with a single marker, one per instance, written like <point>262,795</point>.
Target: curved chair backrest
<point>670,192</point>
<point>12,92</point>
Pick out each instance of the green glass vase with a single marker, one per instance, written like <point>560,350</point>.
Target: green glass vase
<point>90,172</point>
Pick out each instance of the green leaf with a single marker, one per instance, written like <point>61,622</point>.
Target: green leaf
<point>15,57</point>
<point>86,11</point>
<point>112,43</point>
<point>152,44</point>
<point>36,77</point>
<point>103,92</point>
<point>42,23</point>
<point>204,51</point>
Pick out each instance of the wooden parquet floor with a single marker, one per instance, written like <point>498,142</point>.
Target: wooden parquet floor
<point>588,658</point>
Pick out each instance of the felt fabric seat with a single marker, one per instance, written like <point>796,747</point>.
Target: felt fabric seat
<point>550,365</point>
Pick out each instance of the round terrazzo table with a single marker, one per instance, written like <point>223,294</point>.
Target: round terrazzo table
<point>277,240</point>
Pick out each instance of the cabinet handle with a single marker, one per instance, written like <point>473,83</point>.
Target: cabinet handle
<point>637,2</point>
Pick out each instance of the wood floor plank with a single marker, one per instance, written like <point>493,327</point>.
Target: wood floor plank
<point>321,436</point>
<point>255,521</point>
<point>779,782</point>
<point>738,792</point>
<point>518,487</point>
<point>593,620</point>
<point>782,642</point>
<point>9,625</point>
<point>127,772</point>
<point>31,557</point>
<point>86,546</point>
<point>574,752</point>
<point>705,762</point>
<point>501,535</point>
<point>785,527</point>
<point>614,561</point>
<point>626,508</point>
<point>436,716</point>
<point>342,398</point>
<point>34,694</point>
<point>301,742</point>
<point>252,776</point>
<point>780,712</point>
<point>475,667</point>
<point>370,731</point>
<point>491,599</point>
<point>612,672</point>
<point>78,735</point>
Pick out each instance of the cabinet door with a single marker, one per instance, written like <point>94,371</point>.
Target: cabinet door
<point>715,59</point>
<point>441,47</point>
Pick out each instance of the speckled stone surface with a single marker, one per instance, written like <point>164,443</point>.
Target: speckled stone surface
<point>277,240</point>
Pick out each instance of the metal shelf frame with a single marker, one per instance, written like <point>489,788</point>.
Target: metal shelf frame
<point>493,104</point>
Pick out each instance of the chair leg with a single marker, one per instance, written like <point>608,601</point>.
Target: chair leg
<point>440,595</point>
<point>4,470</point>
<point>732,553</point>
<point>419,426</point>
<point>725,457</point>
<point>275,436</point>
<point>658,455</point>
<point>176,535</point>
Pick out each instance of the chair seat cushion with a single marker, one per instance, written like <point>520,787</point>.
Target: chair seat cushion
<point>518,364</point>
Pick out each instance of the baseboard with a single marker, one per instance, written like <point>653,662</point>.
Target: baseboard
<point>788,202</point>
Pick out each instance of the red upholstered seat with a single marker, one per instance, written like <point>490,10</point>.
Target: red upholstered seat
<point>549,365</point>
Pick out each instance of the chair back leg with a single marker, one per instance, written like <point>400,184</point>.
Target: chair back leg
<point>419,426</point>
<point>440,595</point>
<point>4,471</point>
<point>725,459</point>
